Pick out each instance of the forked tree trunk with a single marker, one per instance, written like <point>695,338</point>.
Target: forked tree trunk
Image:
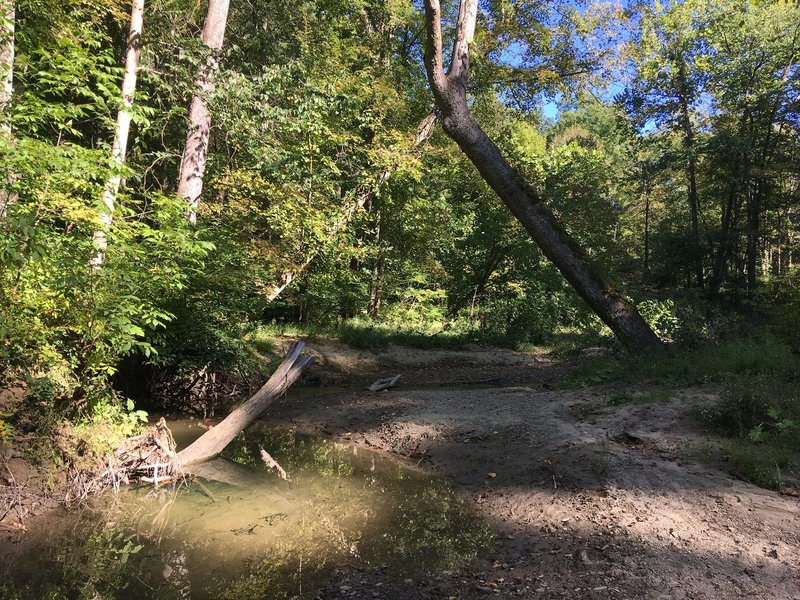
<point>195,152</point>
<point>213,441</point>
<point>120,146</point>
<point>7,25</point>
<point>449,90</point>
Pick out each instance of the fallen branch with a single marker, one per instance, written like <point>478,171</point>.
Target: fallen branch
<point>152,456</point>
<point>384,384</point>
<point>273,464</point>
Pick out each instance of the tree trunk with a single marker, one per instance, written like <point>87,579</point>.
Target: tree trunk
<point>493,261</point>
<point>754,202</point>
<point>195,152</point>
<point>376,276</point>
<point>7,38</point>
<point>691,172</point>
<point>8,16</point>
<point>646,231</point>
<point>449,90</point>
<point>214,441</point>
<point>120,145</point>
<point>724,249</point>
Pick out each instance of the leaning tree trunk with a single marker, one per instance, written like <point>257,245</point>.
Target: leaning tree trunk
<point>212,442</point>
<point>449,90</point>
<point>120,146</point>
<point>195,152</point>
<point>8,15</point>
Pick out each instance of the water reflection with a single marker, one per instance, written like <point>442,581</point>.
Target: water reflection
<point>251,535</point>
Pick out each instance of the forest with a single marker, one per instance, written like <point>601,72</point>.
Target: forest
<point>593,200</point>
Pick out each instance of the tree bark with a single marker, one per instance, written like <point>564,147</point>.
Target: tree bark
<point>449,91</point>
<point>195,152</point>
<point>754,207</point>
<point>7,25</point>
<point>7,39</point>
<point>214,441</point>
<point>120,145</point>
<point>646,231</point>
<point>691,170</point>
<point>376,277</point>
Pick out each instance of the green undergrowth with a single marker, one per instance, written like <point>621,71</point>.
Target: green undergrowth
<point>365,334</point>
<point>760,414</point>
<point>757,414</point>
<point>758,354</point>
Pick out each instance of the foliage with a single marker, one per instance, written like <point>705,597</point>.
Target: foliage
<point>746,354</point>
<point>313,172</point>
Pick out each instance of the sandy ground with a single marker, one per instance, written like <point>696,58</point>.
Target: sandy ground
<point>589,500</point>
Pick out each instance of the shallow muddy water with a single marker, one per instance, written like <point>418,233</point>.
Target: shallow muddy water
<point>247,533</point>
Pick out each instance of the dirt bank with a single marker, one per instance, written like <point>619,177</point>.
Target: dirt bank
<point>590,500</point>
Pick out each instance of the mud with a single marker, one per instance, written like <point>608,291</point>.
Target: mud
<point>589,498</point>
<point>592,493</point>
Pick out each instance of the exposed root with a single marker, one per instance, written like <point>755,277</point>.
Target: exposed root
<point>148,458</point>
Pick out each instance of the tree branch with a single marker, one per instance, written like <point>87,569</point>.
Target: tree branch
<point>465,32</point>
<point>433,49</point>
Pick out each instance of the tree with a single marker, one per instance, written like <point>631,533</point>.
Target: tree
<point>363,196</point>
<point>195,152</point>
<point>667,86</point>
<point>450,93</point>
<point>751,51</point>
<point>8,17</point>
<point>120,146</point>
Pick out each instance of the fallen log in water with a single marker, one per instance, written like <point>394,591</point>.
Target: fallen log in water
<point>213,441</point>
<point>152,457</point>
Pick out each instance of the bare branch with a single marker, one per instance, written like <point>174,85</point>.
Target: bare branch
<point>433,48</point>
<point>465,32</point>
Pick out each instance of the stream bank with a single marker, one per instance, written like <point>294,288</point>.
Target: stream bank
<point>588,499</point>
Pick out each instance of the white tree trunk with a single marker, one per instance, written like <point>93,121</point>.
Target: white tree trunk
<point>195,152</point>
<point>120,146</point>
<point>7,24</point>
<point>8,16</point>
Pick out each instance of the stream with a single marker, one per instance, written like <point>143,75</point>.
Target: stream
<point>253,534</point>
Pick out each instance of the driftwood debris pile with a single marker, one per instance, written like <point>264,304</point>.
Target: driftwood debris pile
<point>149,457</point>
<point>152,457</point>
